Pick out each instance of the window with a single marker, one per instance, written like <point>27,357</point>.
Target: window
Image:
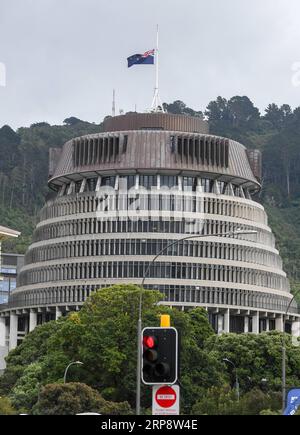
<point>92,182</point>
<point>127,182</point>
<point>189,184</point>
<point>168,181</point>
<point>108,181</point>
<point>148,181</point>
<point>125,142</point>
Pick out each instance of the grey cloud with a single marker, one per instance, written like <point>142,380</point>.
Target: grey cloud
<point>64,57</point>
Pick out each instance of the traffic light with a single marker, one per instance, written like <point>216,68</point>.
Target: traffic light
<point>159,356</point>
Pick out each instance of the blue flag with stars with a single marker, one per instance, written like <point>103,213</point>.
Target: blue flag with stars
<point>141,59</point>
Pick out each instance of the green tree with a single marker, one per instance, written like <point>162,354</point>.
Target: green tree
<point>218,110</point>
<point>72,121</point>
<point>103,336</point>
<point>25,393</point>
<point>223,401</point>
<point>257,357</point>
<point>242,110</point>
<point>278,116</point>
<point>217,401</point>
<point>180,108</point>
<point>32,350</point>
<point>75,398</point>
<point>6,407</point>
<point>255,401</point>
<point>24,171</point>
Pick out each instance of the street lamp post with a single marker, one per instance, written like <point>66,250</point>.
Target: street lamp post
<point>71,364</point>
<point>237,384</point>
<point>139,328</point>
<point>283,363</point>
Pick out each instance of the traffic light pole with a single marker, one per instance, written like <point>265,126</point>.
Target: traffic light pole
<point>139,356</point>
<point>283,349</point>
<point>139,328</point>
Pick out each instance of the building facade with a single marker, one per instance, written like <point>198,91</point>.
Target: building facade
<point>123,195</point>
<point>8,272</point>
<point>11,265</point>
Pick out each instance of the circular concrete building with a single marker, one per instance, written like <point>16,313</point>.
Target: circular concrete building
<point>123,195</point>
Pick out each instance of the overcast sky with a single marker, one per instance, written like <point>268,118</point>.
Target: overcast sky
<point>64,57</point>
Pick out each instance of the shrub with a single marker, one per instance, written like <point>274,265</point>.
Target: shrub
<point>75,398</point>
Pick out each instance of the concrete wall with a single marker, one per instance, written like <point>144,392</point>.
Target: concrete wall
<point>3,354</point>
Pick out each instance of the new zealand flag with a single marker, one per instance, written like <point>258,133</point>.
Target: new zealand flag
<point>141,59</point>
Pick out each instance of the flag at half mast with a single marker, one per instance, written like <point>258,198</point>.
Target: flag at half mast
<point>141,59</point>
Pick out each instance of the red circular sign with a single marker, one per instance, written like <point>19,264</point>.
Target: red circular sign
<point>165,397</point>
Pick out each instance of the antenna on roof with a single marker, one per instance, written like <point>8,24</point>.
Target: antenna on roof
<point>114,103</point>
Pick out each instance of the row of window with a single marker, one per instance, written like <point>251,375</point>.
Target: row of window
<point>186,184</point>
<point>94,151</point>
<point>184,226</point>
<point>89,203</point>
<point>176,294</point>
<point>126,269</point>
<point>133,247</point>
<point>237,323</point>
<point>205,150</point>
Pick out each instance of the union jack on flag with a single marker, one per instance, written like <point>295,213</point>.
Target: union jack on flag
<point>149,53</point>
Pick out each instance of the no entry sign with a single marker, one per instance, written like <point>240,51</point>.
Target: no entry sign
<point>165,400</point>
<point>165,397</point>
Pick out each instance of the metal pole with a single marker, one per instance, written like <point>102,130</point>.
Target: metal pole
<point>156,98</point>
<point>114,103</point>
<point>66,371</point>
<point>139,328</point>
<point>157,59</point>
<point>283,363</point>
<point>237,385</point>
<point>139,356</point>
<point>283,374</point>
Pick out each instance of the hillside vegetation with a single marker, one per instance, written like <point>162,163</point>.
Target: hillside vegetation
<point>276,132</point>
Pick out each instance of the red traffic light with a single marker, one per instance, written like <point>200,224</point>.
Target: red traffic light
<point>149,341</point>
<point>159,359</point>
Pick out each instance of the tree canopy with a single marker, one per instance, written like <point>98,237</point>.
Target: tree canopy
<point>103,337</point>
<point>75,398</point>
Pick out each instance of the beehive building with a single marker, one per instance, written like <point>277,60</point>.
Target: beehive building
<point>124,194</point>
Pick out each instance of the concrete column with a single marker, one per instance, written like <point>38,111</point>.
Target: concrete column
<point>58,313</point>
<point>13,331</point>
<point>220,324</point>
<point>2,332</point>
<point>279,324</point>
<point>246,325</point>
<point>296,329</point>
<point>32,320</point>
<point>267,325</point>
<point>227,321</point>
<point>255,323</point>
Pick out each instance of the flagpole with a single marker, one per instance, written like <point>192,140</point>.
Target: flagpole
<point>157,59</point>
<point>156,103</point>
